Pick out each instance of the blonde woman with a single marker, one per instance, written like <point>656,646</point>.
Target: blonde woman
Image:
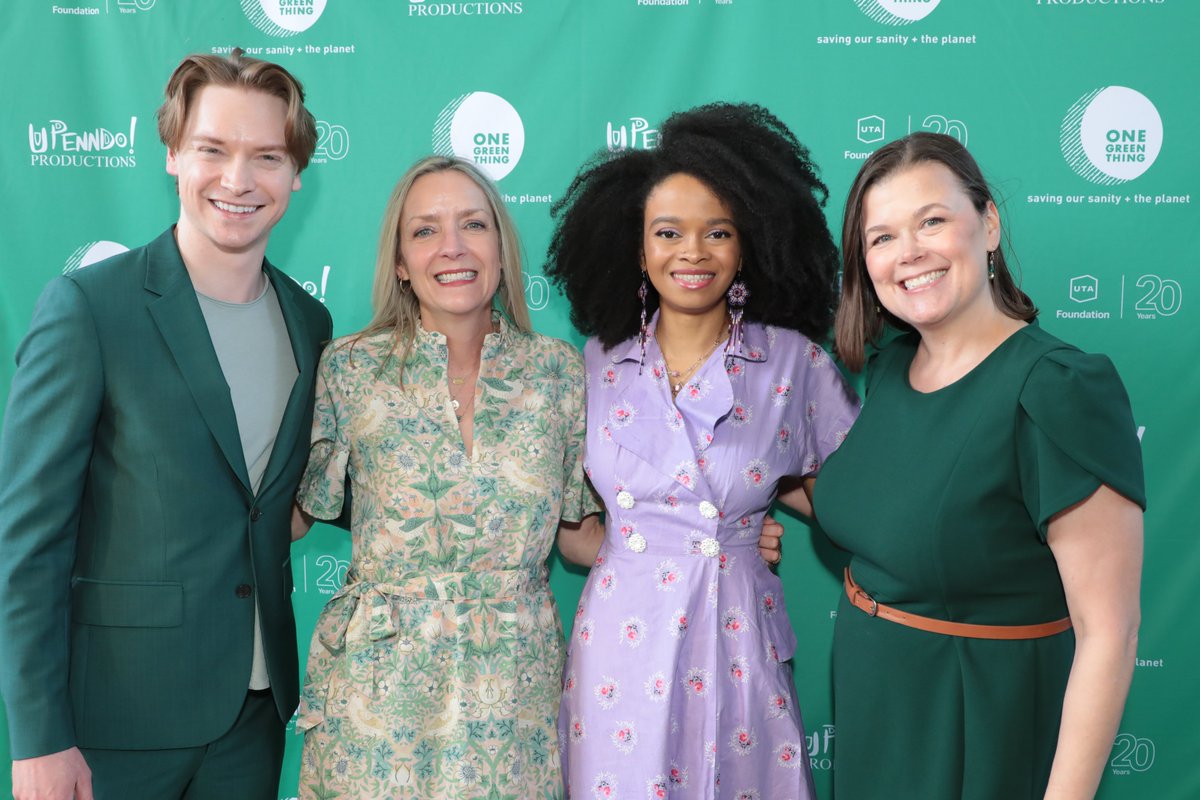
<point>434,672</point>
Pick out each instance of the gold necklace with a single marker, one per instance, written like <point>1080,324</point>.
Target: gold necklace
<point>460,406</point>
<point>460,409</point>
<point>678,378</point>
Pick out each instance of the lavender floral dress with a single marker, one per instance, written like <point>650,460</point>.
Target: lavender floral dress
<point>675,683</point>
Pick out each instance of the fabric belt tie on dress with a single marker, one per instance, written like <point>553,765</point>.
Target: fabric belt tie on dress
<point>363,609</point>
<point>861,600</point>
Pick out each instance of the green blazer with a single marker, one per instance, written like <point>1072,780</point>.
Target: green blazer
<point>131,544</point>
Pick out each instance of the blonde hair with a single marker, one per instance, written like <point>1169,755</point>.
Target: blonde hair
<point>394,304</point>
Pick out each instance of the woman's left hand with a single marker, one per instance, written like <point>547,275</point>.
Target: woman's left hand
<point>769,544</point>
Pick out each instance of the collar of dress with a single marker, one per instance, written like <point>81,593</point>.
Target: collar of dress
<point>432,344</point>
<point>753,347</point>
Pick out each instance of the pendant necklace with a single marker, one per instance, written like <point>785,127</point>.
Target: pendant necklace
<point>678,378</point>
<point>459,407</point>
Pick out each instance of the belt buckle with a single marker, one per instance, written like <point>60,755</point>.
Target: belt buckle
<point>874,603</point>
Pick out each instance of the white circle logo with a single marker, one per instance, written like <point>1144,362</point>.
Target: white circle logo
<point>283,17</point>
<point>897,12</point>
<point>483,128</point>
<point>90,252</point>
<point>1111,135</point>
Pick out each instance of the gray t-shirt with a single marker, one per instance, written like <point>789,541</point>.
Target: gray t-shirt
<point>252,344</point>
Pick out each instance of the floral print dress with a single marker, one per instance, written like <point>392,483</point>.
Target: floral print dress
<point>434,672</point>
<point>676,682</point>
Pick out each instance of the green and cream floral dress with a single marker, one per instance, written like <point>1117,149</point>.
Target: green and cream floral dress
<point>435,671</point>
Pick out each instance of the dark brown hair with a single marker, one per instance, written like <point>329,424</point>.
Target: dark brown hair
<point>860,319</point>
<point>237,71</point>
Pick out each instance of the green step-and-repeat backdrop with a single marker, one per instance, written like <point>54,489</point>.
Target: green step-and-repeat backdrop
<point>1084,114</point>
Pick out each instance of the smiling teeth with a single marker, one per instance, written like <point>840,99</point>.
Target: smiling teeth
<point>924,280</point>
<point>231,208</point>
<point>451,277</point>
<point>695,279</point>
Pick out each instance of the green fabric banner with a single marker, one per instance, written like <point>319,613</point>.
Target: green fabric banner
<point>1080,111</point>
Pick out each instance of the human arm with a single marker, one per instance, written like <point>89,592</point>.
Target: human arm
<point>1081,477</point>
<point>45,451</point>
<point>579,542</point>
<point>343,520</point>
<point>58,776</point>
<point>323,395</point>
<point>796,494</point>
<point>324,488</point>
<point>301,522</point>
<point>1098,546</point>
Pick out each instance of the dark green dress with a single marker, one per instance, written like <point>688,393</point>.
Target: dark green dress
<point>944,498</point>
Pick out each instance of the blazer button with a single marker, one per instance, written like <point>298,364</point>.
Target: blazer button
<point>243,591</point>
<point>255,514</point>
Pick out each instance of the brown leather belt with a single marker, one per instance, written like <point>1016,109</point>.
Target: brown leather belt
<point>860,599</point>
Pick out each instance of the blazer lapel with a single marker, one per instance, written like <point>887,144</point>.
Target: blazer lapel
<point>304,340</point>
<point>177,314</point>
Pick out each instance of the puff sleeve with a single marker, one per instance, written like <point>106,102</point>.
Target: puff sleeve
<point>323,488</point>
<point>828,405</point>
<point>579,500</point>
<point>1075,431</point>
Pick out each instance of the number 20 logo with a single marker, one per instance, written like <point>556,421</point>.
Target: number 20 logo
<point>1132,753</point>
<point>1163,296</point>
<point>333,573</point>
<point>333,141</point>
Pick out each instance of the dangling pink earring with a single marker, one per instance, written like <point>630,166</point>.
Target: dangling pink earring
<point>643,290</point>
<point>736,296</point>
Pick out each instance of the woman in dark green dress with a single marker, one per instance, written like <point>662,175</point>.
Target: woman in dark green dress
<point>985,644</point>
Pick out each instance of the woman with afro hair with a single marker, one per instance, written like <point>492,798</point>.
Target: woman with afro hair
<point>704,273</point>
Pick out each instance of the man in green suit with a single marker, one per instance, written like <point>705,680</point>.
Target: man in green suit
<point>156,431</point>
